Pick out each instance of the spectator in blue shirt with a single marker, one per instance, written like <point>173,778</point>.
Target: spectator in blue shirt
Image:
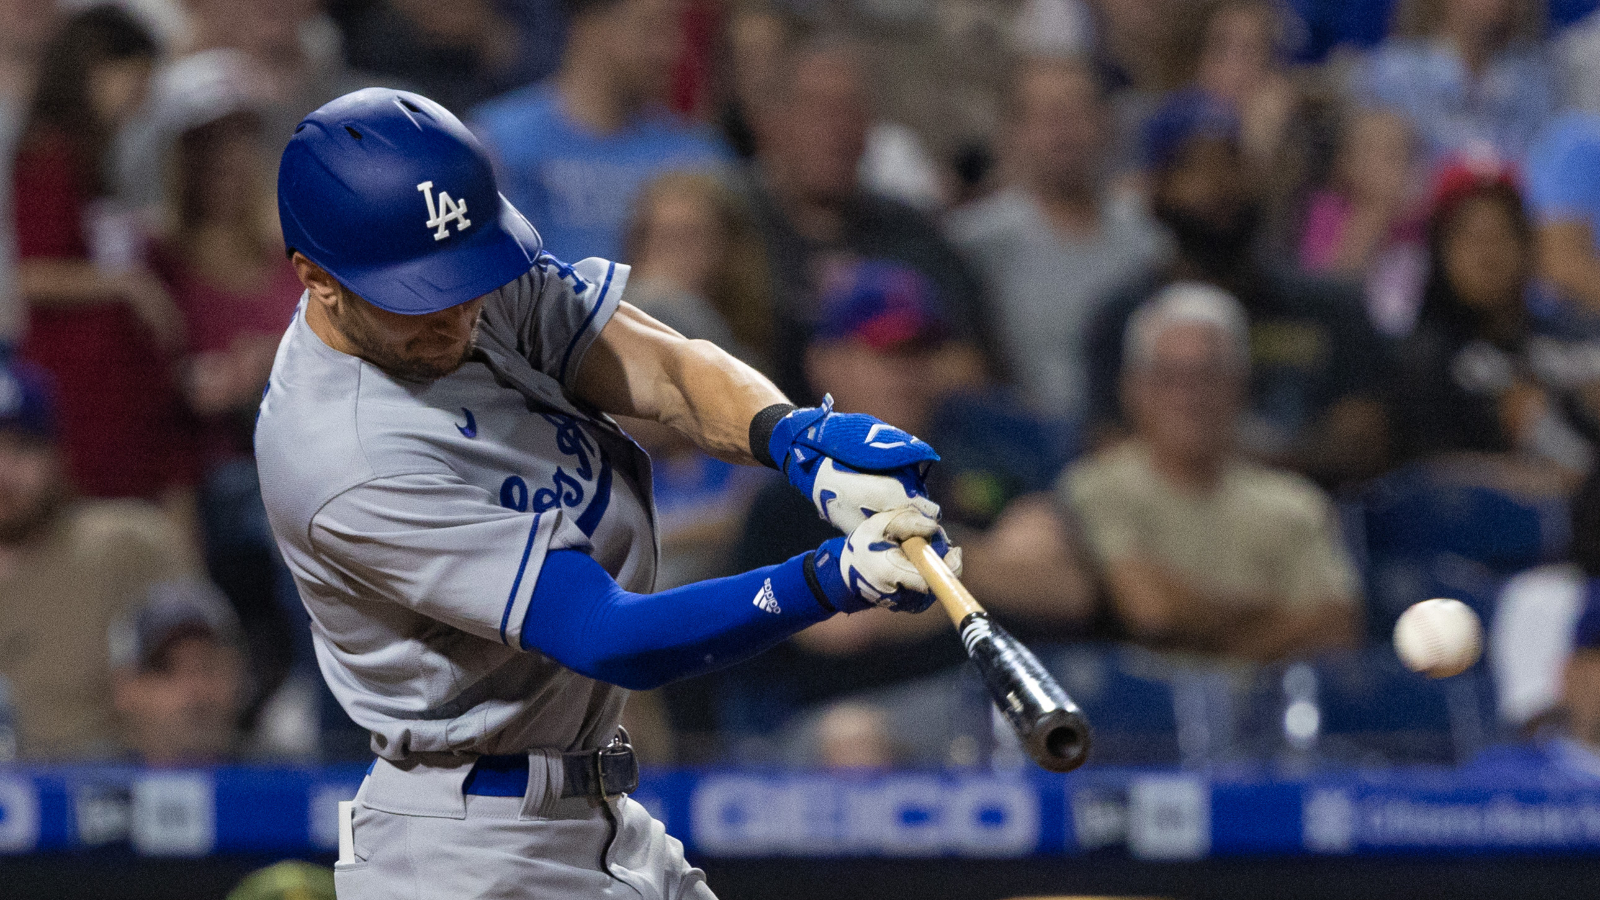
<point>573,151</point>
<point>1563,173</point>
<point>1470,76</point>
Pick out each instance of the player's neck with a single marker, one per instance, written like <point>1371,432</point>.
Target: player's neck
<point>323,326</point>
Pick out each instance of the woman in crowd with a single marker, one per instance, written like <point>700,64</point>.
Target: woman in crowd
<point>98,321</point>
<point>1489,369</point>
<point>699,266</point>
<point>220,254</point>
<point>755,38</point>
<point>1239,53</point>
<point>221,258</point>
<point>1367,221</point>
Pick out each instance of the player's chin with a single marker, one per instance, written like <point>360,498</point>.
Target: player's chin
<point>428,366</point>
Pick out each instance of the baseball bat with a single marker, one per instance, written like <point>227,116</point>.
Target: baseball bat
<point>1051,727</point>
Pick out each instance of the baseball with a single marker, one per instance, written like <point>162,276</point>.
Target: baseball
<point>1438,638</point>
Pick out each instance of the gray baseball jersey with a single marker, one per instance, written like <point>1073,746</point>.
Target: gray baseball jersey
<point>416,517</point>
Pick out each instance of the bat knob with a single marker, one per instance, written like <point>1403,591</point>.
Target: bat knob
<point>1059,740</point>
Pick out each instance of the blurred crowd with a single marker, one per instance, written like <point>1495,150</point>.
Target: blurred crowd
<point>1240,325</point>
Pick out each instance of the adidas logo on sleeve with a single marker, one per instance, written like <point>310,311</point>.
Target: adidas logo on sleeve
<point>766,600</point>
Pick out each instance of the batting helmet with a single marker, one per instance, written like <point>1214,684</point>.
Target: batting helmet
<point>394,197</point>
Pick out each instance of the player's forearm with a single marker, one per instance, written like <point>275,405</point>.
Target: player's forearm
<point>713,398</point>
<point>641,368</point>
<point>580,618</point>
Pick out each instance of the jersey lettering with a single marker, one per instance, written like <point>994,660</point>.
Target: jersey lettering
<point>567,489</point>
<point>448,210</point>
<point>566,273</point>
<point>514,494</point>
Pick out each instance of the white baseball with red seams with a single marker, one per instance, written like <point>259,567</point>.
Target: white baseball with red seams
<point>1438,638</point>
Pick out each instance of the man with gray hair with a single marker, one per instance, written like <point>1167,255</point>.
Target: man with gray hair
<point>1201,549</point>
<point>1316,395</point>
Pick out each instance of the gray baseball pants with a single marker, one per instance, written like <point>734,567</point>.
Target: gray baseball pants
<point>416,836</point>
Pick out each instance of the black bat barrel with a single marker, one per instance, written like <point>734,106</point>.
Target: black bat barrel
<point>1051,727</point>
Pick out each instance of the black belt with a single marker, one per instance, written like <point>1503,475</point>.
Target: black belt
<point>603,774</point>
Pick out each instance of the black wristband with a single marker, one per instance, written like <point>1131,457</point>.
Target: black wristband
<point>761,428</point>
<point>813,582</point>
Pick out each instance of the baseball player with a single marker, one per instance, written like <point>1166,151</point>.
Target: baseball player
<point>474,537</point>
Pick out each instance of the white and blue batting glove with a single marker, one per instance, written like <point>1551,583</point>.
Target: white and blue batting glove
<point>876,570</point>
<point>850,465</point>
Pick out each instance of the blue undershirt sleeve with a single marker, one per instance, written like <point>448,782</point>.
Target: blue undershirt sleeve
<point>582,619</point>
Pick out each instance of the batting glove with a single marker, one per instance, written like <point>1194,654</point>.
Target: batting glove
<point>876,571</point>
<point>850,465</point>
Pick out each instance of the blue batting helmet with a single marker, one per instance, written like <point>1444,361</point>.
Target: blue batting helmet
<point>394,197</point>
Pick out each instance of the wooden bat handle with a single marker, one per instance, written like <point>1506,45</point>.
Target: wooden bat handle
<point>957,601</point>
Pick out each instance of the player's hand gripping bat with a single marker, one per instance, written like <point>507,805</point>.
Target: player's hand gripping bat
<point>1051,727</point>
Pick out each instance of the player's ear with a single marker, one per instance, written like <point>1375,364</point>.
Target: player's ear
<point>324,288</point>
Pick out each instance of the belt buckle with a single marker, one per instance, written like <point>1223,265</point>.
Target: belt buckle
<point>620,752</point>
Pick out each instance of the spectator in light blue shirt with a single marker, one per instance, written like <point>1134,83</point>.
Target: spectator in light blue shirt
<point>1471,77</point>
<point>1563,173</point>
<point>573,151</point>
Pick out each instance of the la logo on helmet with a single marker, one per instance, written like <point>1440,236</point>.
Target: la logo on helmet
<point>448,209</point>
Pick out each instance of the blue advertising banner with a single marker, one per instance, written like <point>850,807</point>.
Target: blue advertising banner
<point>1147,814</point>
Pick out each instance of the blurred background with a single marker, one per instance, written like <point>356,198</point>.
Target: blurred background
<point>1241,325</point>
